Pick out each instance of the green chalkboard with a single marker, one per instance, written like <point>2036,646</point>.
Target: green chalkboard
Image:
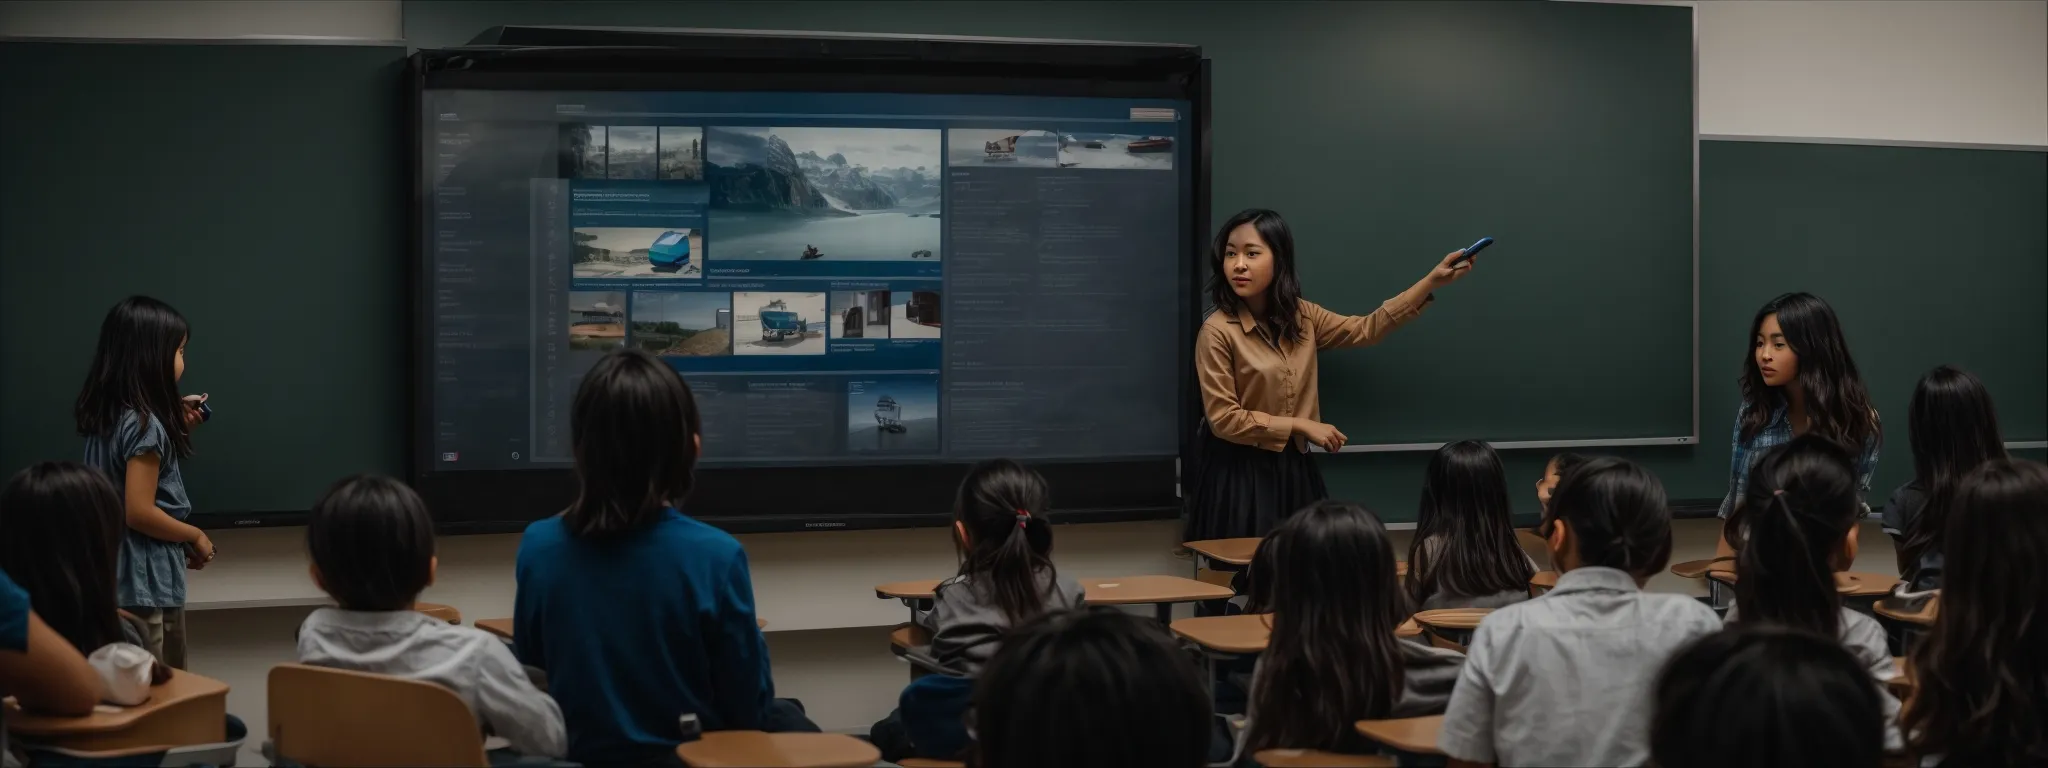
<point>258,188</point>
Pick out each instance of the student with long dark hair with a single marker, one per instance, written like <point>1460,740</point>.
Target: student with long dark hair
<point>1954,430</point>
<point>1981,674</point>
<point>1565,679</point>
<point>1465,554</point>
<point>637,612</point>
<point>1798,378</point>
<point>1333,658</point>
<point>1553,473</point>
<point>1766,696</point>
<point>1255,360</point>
<point>138,431</point>
<point>1090,688</point>
<point>1794,529</point>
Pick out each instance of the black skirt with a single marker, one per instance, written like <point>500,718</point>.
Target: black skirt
<point>1240,491</point>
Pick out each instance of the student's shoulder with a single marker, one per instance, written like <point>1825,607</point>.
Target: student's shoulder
<point>1217,325</point>
<point>1676,608</point>
<point>704,539</point>
<point>1859,630</point>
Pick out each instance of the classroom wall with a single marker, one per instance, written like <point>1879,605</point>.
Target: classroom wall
<point>1931,71</point>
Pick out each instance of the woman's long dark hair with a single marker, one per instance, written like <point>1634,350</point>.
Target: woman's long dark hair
<point>1333,658</point>
<point>1465,541</point>
<point>1763,696</point>
<point>1090,688</point>
<point>61,525</point>
<point>1618,515</point>
<point>1283,295</point>
<point>134,368</point>
<point>633,428</point>
<point>1837,405</point>
<point>1002,507</point>
<point>1790,532</point>
<point>1981,695</point>
<point>1955,430</point>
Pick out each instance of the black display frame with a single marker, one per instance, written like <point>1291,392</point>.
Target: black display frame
<point>774,499</point>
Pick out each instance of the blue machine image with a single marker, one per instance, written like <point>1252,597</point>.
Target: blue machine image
<point>889,415</point>
<point>778,323</point>
<point>670,251</point>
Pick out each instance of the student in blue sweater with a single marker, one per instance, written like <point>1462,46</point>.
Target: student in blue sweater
<point>639,614</point>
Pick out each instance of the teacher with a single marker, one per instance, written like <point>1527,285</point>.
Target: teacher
<point>1255,359</point>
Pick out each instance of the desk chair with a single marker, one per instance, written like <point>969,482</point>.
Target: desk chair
<point>913,644</point>
<point>1451,628</point>
<point>754,749</point>
<point>1310,758</point>
<point>186,710</point>
<point>1536,548</point>
<point>926,762</point>
<point>503,627</point>
<point>1907,618</point>
<point>1160,592</point>
<point>1405,737</point>
<point>445,613</point>
<point>1542,582</point>
<point>337,717</point>
<point>1860,590</point>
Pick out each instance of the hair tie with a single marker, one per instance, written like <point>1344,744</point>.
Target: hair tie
<point>1023,516</point>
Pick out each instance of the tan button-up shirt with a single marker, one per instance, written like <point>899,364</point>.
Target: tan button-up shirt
<point>1254,388</point>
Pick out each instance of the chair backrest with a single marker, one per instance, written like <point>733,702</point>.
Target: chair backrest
<point>1535,547</point>
<point>336,717</point>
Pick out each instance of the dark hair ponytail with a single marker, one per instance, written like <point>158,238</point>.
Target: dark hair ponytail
<point>1788,533</point>
<point>1002,508</point>
<point>1618,514</point>
<point>134,368</point>
<point>1955,430</point>
<point>1283,296</point>
<point>1465,542</point>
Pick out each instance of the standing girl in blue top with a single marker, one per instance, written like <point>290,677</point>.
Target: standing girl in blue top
<point>138,431</point>
<point>638,613</point>
<point>1798,379</point>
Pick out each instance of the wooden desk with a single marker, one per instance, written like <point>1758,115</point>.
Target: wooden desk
<point>503,627</point>
<point>1244,634</point>
<point>1452,627</point>
<point>926,762</point>
<point>445,613</point>
<point>1159,591</point>
<point>1227,551</point>
<point>1849,583</point>
<point>1310,758</point>
<point>1921,612</point>
<point>1410,735</point>
<point>188,709</point>
<point>754,749</point>
<point>1691,569</point>
<point>1542,582</point>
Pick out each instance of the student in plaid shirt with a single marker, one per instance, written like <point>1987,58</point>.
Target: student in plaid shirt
<point>1798,379</point>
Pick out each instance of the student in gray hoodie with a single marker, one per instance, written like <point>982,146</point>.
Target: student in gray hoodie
<point>1333,658</point>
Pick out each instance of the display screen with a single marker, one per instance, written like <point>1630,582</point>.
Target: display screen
<point>842,278</point>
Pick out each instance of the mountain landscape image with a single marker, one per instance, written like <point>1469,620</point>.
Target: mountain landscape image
<point>824,193</point>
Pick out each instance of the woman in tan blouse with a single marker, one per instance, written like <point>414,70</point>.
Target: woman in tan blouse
<point>1255,359</point>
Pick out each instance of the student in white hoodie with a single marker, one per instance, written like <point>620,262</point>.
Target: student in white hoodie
<point>372,544</point>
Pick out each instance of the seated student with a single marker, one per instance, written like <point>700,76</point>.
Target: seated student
<point>1464,554</point>
<point>1333,658</point>
<point>372,544</point>
<point>61,525</point>
<point>1090,688</point>
<point>42,671</point>
<point>1793,530</point>
<point>1980,694</point>
<point>1553,472</point>
<point>638,613</point>
<point>1565,679</point>
<point>1006,577</point>
<point>1954,430</point>
<point>1765,696</point>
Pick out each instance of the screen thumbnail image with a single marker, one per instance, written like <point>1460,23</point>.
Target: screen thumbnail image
<point>644,252</point>
<point>1116,150</point>
<point>597,320</point>
<point>778,323</point>
<point>1002,148</point>
<point>846,194</point>
<point>683,324</point>
<point>914,314</point>
<point>860,315</point>
<point>607,151</point>
<point>895,415</point>
<point>682,152</point>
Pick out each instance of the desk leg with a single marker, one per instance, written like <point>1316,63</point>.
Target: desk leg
<point>1163,612</point>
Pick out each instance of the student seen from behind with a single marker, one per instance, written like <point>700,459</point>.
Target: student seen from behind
<point>1553,472</point>
<point>1006,578</point>
<point>1794,529</point>
<point>1333,658</point>
<point>138,431</point>
<point>1954,430</point>
<point>638,613</point>
<point>1766,696</point>
<point>61,527</point>
<point>1981,674</point>
<point>1565,679</point>
<point>1090,688</point>
<point>372,546</point>
<point>1464,554</point>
